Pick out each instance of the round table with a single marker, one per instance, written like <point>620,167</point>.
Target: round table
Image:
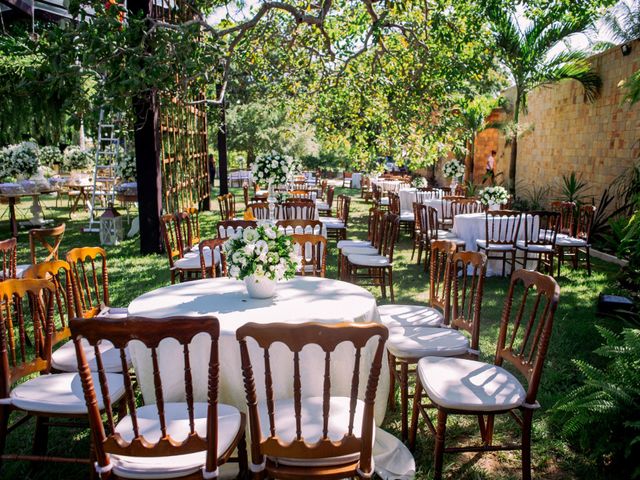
<point>303,299</point>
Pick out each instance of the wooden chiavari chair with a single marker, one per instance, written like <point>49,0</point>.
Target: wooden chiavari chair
<point>212,248</point>
<point>433,233</point>
<point>171,239</point>
<point>346,179</point>
<point>227,205</point>
<point>313,227</point>
<point>468,387</point>
<point>409,343</point>
<point>187,439</point>
<point>298,211</point>
<point>378,268</point>
<point>566,211</point>
<point>228,228</point>
<point>313,253</point>
<point>9,252</point>
<point>49,239</point>
<point>312,437</point>
<point>337,227</point>
<point>581,242</point>
<point>260,210</point>
<point>446,221</point>
<point>194,225</point>
<point>420,234</point>
<point>324,208</point>
<point>183,224</point>
<point>501,233</point>
<point>26,382</point>
<point>539,244</point>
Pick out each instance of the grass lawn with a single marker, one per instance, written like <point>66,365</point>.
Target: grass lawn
<point>574,336</point>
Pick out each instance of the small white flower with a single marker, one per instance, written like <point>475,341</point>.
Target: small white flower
<point>250,235</point>
<point>271,233</point>
<point>234,271</point>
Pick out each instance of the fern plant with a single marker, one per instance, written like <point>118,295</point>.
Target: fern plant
<point>604,412</point>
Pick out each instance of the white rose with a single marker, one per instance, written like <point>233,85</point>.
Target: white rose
<point>271,233</point>
<point>249,249</point>
<point>250,235</point>
<point>262,247</point>
<point>234,272</point>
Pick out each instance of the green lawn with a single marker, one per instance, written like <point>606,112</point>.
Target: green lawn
<point>574,336</point>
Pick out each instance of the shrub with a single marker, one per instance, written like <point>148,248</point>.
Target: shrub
<point>76,159</point>
<point>49,156</point>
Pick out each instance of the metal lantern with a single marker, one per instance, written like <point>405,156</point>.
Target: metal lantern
<point>111,229</point>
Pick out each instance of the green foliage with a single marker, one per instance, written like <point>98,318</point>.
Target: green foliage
<point>76,159</point>
<point>49,156</point>
<point>532,197</point>
<point>604,412</point>
<point>573,188</point>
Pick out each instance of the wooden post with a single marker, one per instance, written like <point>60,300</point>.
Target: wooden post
<point>149,171</point>
<point>222,148</point>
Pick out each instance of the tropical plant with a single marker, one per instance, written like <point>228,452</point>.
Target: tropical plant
<point>473,117</point>
<point>622,22</point>
<point>573,188</point>
<point>532,197</point>
<point>603,413</point>
<point>526,54</point>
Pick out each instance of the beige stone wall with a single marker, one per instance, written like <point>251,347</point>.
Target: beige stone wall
<point>598,140</point>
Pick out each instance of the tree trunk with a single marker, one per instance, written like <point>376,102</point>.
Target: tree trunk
<point>222,150</point>
<point>472,149</point>
<point>514,147</point>
<point>251,156</point>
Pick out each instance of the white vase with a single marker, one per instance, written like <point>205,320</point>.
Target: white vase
<point>260,286</point>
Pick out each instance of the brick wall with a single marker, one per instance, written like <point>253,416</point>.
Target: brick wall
<point>598,140</point>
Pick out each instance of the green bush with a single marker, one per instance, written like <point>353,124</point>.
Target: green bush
<point>603,414</point>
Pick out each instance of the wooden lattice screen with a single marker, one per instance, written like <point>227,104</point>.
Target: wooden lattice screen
<point>183,134</point>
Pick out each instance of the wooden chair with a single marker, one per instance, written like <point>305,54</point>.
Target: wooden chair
<point>260,210</point>
<point>300,194</point>
<point>90,282</point>
<point>433,233</point>
<point>346,179</point>
<point>9,252</point>
<point>581,242</point>
<point>468,387</point>
<point>566,211</point>
<point>337,227</point>
<point>380,200</point>
<point>540,231</point>
<point>26,384</point>
<point>188,439</point>
<point>313,227</point>
<point>227,205</point>
<point>324,208</point>
<point>420,235</point>
<point>183,224</point>
<point>49,239</point>
<point>501,234</point>
<point>365,189</point>
<point>446,221</point>
<point>313,252</point>
<point>372,246</point>
<point>292,210</point>
<point>322,190</point>
<point>214,247</point>
<point>409,343</point>
<point>228,228</point>
<point>311,437</point>
<point>171,239</point>
<point>378,268</point>
<point>245,194</point>
<point>194,225</point>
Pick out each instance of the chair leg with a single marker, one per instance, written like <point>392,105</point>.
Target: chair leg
<point>381,279</point>
<point>393,298</point>
<point>391,401</point>
<point>404,399</point>
<point>560,258</point>
<point>41,436</point>
<point>488,440</point>
<point>415,414</point>
<point>526,444</point>
<point>587,250</point>
<point>243,463</point>
<point>4,429</point>
<point>438,454</point>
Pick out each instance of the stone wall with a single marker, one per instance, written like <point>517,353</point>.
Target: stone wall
<point>598,140</point>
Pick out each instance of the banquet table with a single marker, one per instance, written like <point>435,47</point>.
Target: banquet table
<point>471,226</point>
<point>388,185</point>
<point>36,220</point>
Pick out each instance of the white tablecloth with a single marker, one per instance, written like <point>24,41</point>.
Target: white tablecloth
<point>302,299</point>
<point>471,227</point>
<point>407,197</point>
<point>356,180</point>
<point>387,185</point>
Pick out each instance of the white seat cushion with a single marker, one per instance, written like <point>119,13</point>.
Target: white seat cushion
<point>418,342</point>
<point>177,418</point>
<point>322,205</point>
<point>117,312</point>
<point>450,237</point>
<point>20,269</point>
<point>359,251</point>
<point>332,222</point>
<point>62,393</point>
<point>493,246</point>
<point>462,384</point>
<point>384,201</point>
<point>191,261</point>
<point>410,315</point>
<point>64,358</point>
<point>369,260</point>
<point>312,422</point>
<point>533,248</point>
<point>570,242</point>
<point>407,217</point>
<point>353,243</point>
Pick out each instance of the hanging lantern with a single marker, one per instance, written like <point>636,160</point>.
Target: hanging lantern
<point>111,229</point>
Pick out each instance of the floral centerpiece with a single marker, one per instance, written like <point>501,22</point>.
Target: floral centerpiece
<point>19,160</point>
<point>453,169</point>
<point>418,182</point>
<point>261,256</point>
<point>75,158</point>
<point>49,156</point>
<point>274,168</point>
<point>493,196</point>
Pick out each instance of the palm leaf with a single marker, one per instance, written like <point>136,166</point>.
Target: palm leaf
<point>570,65</point>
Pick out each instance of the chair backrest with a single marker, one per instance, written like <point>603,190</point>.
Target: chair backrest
<point>90,280</point>
<point>420,218</point>
<point>25,343</point>
<point>194,224</point>
<point>228,228</point>
<point>394,203</point>
<point>171,237</point>
<point>227,205</point>
<point>526,325</point>
<point>214,245</point>
<point>442,252</point>
<point>445,191</point>
<point>245,193</point>
<point>358,438</point>
<point>58,272</point>
<point>260,210</point>
<point>342,209</point>
<point>49,239</point>
<point>432,224</point>
<point>389,234</point>
<point>566,211</point>
<point>465,205</point>
<point>468,271</point>
<point>541,227</point>
<point>298,210</point>
<point>150,332</point>
<point>329,201</point>
<point>502,226</point>
<point>313,252</point>
<point>585,222</point>
<point>460,190</point>
<point>300,194</point>
<point>183,224</point>
<point>300,226</point>
<point>9,252</point>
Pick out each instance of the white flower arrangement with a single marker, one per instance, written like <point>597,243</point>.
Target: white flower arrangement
<point>274,168</point>
<point>19,159</point>
<point>126,167</point>
<point>453,169</point>
<point>493,196</point>
<point>419,182</point>
<point>75,158</point>
<point>49,156</point>
<point>264,251</point>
